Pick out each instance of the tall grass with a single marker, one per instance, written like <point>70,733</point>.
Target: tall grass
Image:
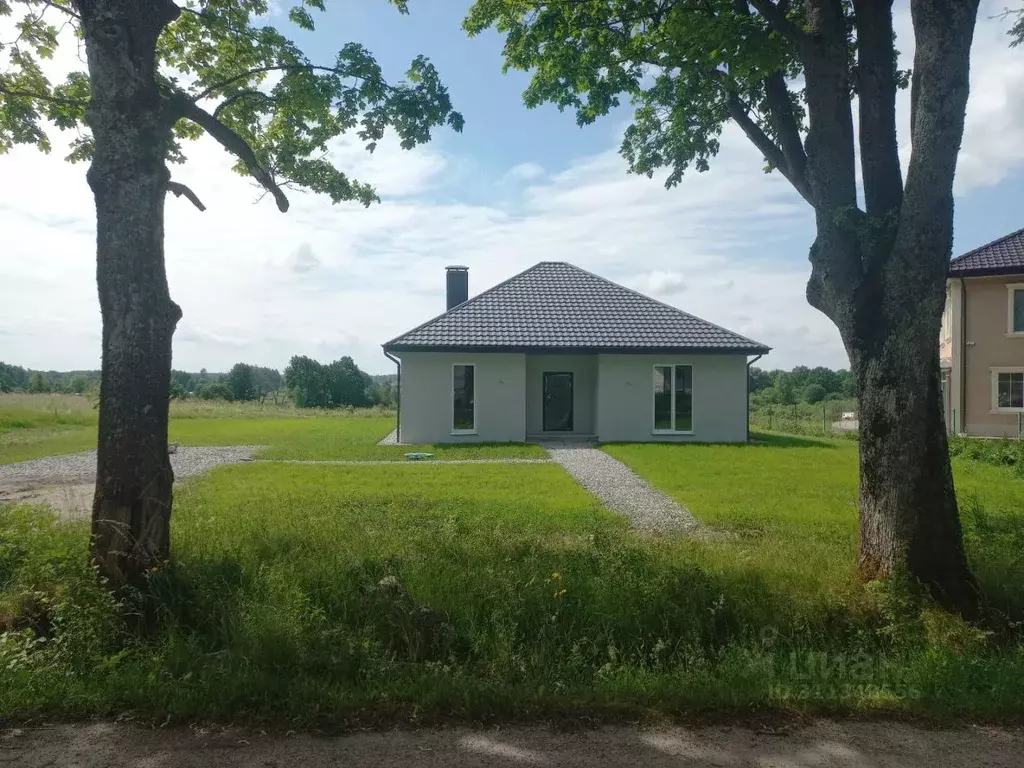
<point>29,411</point>
<point>24,411</point>
<point>326,595</point>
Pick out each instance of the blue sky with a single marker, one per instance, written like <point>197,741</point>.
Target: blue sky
<point>517,186</point>
<point>501,133</point>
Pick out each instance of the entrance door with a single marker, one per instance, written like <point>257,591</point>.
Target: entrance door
<point>557,402</point>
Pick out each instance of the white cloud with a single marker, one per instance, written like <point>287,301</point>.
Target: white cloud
<point>392,171</point>
<point>303,260</point>
<point>525,172</point>
<point>993,144</point>
<point>660,283</point>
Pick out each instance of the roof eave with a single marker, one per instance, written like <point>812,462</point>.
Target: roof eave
<point>986,271</point>
<point>757,349</point>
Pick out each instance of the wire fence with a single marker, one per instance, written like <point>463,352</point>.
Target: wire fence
<point>827,419</point>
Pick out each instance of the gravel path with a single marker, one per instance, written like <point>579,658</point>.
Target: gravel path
<point>372,462</point>
<point>622,490</point>
<point>821,744</point>
<point>81,467</point>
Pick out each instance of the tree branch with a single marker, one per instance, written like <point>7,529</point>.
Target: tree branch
<point>180,189</point>
<point>943,30</point>
<point>40,96</point>
<point>775,15</point>
<point>739,112</point>
<point>233,98</point>
<point>238,147</point>
<point>876,90</point>
<point>270,68</point>
<point>831,162</point>
<point>780,112</point>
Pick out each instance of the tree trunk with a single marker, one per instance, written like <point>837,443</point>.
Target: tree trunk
<point>908,508</point>
<point>131,123</point>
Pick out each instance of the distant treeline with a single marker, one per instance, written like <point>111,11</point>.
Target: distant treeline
<point>306,382</point>
<point>801,385</point>
<point>14,378</point>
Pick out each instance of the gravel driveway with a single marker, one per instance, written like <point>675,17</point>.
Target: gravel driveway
<point>622,490</point>
<point>821,744</point>
<point>66,482</point>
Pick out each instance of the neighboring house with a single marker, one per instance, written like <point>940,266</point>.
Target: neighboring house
<point>557,351</point>
<point>982,340</point>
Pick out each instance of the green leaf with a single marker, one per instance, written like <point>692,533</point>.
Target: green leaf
<point>676,63</point>
<point>285,106</point>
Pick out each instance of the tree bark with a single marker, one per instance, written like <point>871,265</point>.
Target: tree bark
<point>908,507</point>
<point>131,121</point>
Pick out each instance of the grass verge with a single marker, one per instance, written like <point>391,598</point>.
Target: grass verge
<point>33,426</point>
<point>326,595</point>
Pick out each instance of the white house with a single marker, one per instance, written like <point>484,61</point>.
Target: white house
<point>559,352</point>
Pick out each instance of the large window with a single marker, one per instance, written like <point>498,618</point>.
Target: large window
<point>1015,308</point>
<point>1008,389</point>
<point>673,398</point>
<point>463,398</point>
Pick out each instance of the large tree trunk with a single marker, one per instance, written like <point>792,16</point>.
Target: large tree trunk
<point>131,122</point>
<point>908,508</point>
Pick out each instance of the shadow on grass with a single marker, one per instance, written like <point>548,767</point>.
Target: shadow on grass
<point>757,440</point>
<point>787,441</point>
<point>994,545</point>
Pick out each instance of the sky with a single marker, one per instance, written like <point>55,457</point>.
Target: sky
<point>516,187</point>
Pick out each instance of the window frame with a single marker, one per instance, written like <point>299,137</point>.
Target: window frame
<point>672,402</point>
<point>1011,290</point>
<point>994,375</point>
<point>451,402</point>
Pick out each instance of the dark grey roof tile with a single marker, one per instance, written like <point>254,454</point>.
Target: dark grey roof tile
<point>1000,257</point>
<point>557,305</point>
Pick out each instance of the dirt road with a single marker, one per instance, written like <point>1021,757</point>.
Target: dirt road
<point>824,743</point>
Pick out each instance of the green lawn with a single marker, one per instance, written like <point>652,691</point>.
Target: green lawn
<point>792,502</point>
<point>35,426</point>
<point>327,595</point>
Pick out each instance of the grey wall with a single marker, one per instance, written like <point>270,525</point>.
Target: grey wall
<point>625,398</point>
<point>500,383</point>
<point>584,383</point>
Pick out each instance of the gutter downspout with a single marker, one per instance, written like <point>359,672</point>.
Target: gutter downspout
<point>748,392</point>
<point>963,357</point>
<point>398,398</point>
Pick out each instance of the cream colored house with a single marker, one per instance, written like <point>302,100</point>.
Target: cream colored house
<point>982,340</point>
<point>558,352</point>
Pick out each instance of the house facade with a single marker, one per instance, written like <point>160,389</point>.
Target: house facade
<point>982,340</point>
<point>556,351</point>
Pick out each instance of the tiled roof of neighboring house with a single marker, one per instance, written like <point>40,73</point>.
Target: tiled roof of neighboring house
<point>555,305</point>
<point>1004,256</point>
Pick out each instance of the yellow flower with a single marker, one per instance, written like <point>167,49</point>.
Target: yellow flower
<point>556,575</point>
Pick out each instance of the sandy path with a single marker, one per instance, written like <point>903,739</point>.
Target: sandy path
<point>823,743</point>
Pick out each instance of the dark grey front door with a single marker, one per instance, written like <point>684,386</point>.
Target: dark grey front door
<point>557,402</point>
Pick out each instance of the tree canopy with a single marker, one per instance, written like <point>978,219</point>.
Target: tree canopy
<point>215,60</point>
<point>334,385</point>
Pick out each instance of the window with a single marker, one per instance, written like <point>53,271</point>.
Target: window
<point>1008,389</point>
<point>673,398</point>
<point>1015,309</point>
<point>463,398</point>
